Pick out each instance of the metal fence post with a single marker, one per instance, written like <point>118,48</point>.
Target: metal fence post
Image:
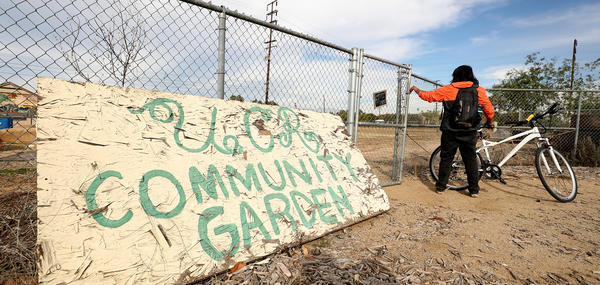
<point>577,122</point>
<point>404,123</point>
<point>359,76</point>
<point>221,68</point>
<point>352,91</point>
<point>397,122</point>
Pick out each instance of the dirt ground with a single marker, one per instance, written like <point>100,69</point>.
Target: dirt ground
<point>511,234</point>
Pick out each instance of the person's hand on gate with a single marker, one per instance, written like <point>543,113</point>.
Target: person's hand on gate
<point>493,126</point>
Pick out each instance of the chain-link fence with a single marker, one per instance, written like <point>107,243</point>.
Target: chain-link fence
<point>196,48</point>
<point>579,141</point>
<point>574,130</point>
<point>187,47</point>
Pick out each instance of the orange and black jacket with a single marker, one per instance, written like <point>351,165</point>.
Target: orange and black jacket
<point>449,92</point>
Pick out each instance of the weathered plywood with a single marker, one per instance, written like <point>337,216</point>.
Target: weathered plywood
<point>139,186</point>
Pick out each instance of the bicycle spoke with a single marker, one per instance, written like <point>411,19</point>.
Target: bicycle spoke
<point>556,174</point>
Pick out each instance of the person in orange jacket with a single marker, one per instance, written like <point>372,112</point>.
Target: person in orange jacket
<point>452,138</point>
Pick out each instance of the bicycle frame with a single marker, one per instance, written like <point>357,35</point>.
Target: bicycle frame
<point>529,135</point>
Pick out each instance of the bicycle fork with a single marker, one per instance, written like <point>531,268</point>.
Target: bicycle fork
<point>544,142</point>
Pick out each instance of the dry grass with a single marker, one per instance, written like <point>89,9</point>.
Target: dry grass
<point>20,135</point>
<point>18,229</point>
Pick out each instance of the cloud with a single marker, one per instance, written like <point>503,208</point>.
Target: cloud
<point>580,14</point>
<point>558,27</point>
<point>400,48</point>
<point>499,72</point>
<point>551,32</point>
<point>395,29</point>
<point>480,40</point>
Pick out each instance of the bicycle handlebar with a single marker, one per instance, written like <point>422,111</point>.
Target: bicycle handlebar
<point>517,123</point>
<point>552,110</point>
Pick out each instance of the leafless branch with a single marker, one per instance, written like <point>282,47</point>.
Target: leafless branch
<point>117,45</point>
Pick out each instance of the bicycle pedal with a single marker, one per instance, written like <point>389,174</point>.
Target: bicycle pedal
<point>502,180</point>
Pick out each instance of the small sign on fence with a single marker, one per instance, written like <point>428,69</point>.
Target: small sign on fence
<point>138,186</point>
<point>380,98</point>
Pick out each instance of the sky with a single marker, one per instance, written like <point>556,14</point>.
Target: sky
<point>436,36</point>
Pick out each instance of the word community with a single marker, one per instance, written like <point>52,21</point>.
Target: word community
<point>282,201</point>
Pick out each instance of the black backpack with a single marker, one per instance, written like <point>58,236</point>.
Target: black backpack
<point>462,113</point>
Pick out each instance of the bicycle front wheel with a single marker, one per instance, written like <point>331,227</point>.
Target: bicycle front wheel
<point>556,174</point>
<point>458,175</point>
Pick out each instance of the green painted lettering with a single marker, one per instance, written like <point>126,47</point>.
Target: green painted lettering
<point>268,181</point>
<point>251,178</point>
<point>304,175</point>
<point>207,183</point>
<point>326,158</point>
<point>210,140</point>
<point>314,166</point>
<point>307,223</point>
<point>341,199</point>
<point>90,200</point>
<point>246,226</point>
<point>346,162</point>
<point>291,126</point>
<point>207,216</point>
<point>145,198</point>
<point>331,219</point>
<point>266,116</point>
<point>284,214</point>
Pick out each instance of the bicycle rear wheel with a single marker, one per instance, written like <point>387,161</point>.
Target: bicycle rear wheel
<point>458,174</point>
<point>556,174</point>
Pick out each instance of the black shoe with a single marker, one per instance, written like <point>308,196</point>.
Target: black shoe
<point>440,190</point>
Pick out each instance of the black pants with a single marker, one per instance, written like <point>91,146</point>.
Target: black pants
<point>466,142</point>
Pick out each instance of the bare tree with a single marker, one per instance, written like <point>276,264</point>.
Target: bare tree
<point>115,45</point>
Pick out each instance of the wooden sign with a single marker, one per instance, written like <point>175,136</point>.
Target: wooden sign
<point>138,186</point>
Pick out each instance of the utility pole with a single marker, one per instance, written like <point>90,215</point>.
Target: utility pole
<point>573,62</point>
<point>270,42</point>
<point>578,100</point>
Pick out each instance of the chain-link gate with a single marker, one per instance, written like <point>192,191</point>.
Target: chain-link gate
<point>423,134</point>
<point>380,117</point>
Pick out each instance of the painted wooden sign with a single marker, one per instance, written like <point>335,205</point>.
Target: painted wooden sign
<point>138,186</point>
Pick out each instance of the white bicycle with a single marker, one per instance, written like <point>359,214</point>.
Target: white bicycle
<point>553,169</point>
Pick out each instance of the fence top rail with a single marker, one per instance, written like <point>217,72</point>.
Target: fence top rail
<point>236,14</point>
<point>542,90</point>
<point>427,80</point>
<point>399,65</point>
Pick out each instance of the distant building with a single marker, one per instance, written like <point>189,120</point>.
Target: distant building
<point>379,121</point>
<point>12,94</point>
